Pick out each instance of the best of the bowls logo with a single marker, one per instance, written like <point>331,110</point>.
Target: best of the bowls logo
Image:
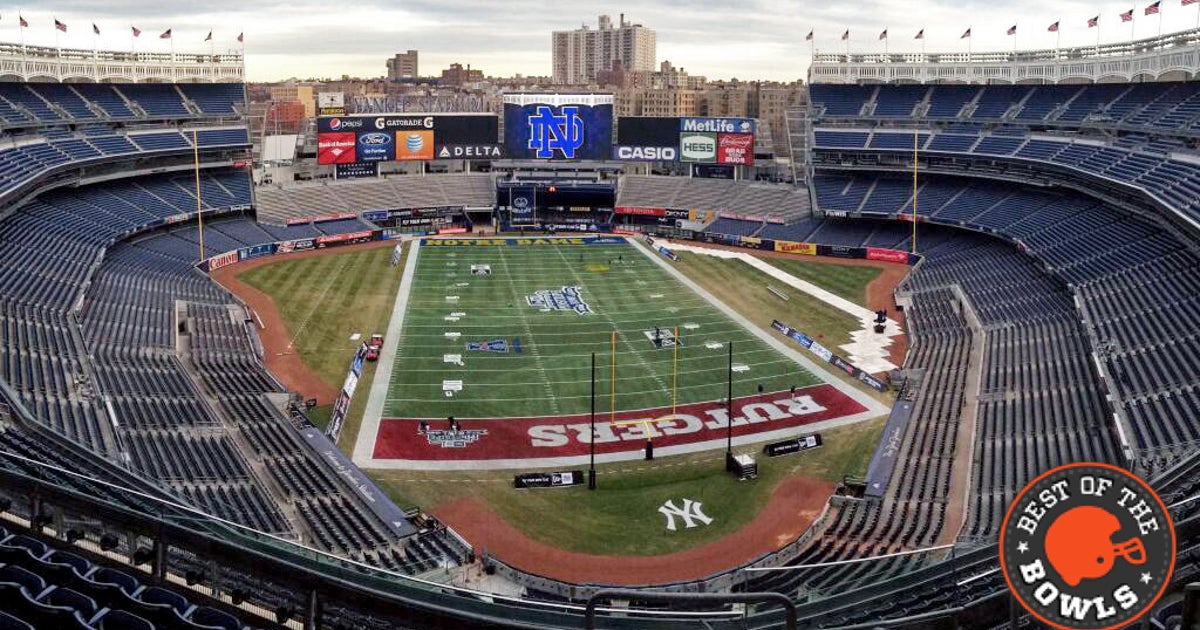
<point>1087,545</point>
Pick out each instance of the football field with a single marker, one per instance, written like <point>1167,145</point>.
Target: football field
<point>499,335</point>
<point>520,339</point>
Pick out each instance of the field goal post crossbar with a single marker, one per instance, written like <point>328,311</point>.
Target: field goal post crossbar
<point>789,607</point>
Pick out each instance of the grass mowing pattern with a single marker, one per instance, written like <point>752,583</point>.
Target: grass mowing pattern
<point>621,516</point>
<point>740,284</point>
<point>325,299</point>
<point>551,375</point>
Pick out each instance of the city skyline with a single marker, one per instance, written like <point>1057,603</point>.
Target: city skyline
<point>754,41</point>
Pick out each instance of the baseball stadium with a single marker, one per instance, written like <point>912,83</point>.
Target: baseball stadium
<point>530,360</point>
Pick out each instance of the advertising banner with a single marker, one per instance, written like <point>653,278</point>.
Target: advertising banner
<point>840,251</point>
<point>888,255</point>
<point>375,146</point>
<point>735,148</point>
<point>298,245</point>
<point>255,251</point>
<point>342,405</point>
<point>348,238</point>
<point>549,480</point>
<point>698,147</point>
<point>407,137</point>
<point>829,357</point>
<point>357,170</point>
<point>794,445</point>
<point>641,211</point>
<point>223,260</point>
<point>792,247</point>
<point>558,126</point>
<point>336,148</point>
<point>717,125</point>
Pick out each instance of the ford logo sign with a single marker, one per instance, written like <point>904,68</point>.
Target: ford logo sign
<point>375,139</point>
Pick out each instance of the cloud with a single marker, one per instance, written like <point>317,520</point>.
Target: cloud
<point>750,39</point>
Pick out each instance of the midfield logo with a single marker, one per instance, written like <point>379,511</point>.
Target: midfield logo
<point>550,132</point>
<point>564,299</point>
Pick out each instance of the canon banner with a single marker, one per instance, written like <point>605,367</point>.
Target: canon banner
<point>558,126</point>
<point>406,137</point>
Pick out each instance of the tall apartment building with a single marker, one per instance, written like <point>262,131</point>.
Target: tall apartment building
<point>402,66</point>
<point>581,54</point>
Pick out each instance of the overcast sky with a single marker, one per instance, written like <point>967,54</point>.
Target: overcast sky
<point>750,39</point>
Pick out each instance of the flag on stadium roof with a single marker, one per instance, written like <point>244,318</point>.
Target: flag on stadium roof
<point>1012,30</point>
<point>920,34</point>
<point>136,31</point>
<point>209,38</point>
<point>1187,2</point>
<point>1152,9</point>
<point>240,36</point>
<point>1093,22</point>
<point>966,34</point>
<point>22,19</point>
<point>1053,28</point>
<point>95,29</point>
<point>883,35</point>
<point>166,34</point>
<point>1127,16</point>
<point>807,38</point>
<point>846,35</point>
<point>60,26</point>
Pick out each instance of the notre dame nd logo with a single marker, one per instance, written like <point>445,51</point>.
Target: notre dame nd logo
<point>550,132</point>
<point>1087,545</point>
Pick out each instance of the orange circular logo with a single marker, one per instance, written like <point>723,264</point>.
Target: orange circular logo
<point>1087,546</point>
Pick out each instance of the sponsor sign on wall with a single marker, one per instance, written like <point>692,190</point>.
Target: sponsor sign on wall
<point>791,247</point>
<point>558,126</point>
<point>321,218</point>
<point>888,255</point>
<point>717,125</point>
<point>698,147</point>
<point>414,145</point>
<point>223,260</point>
<point>404,137</point>
<point>336,147</point>
<point>735,148</point>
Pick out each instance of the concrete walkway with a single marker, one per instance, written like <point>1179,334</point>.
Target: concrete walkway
<point>868,349</point>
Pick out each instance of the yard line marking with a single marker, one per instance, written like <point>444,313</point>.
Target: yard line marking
<point>534,351</point>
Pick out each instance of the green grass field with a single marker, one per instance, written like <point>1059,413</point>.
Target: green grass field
<point>359,288</point>
<point>323,300</point>
<point>625,292</point>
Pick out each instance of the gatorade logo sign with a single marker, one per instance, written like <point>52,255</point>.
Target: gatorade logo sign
<point>1087,545</point>
<point>698,147</point>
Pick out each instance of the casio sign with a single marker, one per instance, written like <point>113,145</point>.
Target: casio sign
<point>665,154</point>
<point>698,147</point>
<point>375,139</point>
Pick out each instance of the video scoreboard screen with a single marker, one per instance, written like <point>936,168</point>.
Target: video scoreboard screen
<point>558,126</point>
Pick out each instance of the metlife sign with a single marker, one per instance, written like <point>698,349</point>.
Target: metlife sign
<point>698,147</point>
<point>717,125</point>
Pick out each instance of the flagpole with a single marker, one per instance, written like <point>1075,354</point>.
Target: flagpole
<point>1160,21</point>
<point>916,149</point>
<point>199,205</point>
<point>24,54</point>
<point>885,42</point>
<point>172,38</point>
<point>1132,22</point>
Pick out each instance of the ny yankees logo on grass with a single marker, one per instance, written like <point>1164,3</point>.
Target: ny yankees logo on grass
<point>691,514</point>
<point>550,132</point>
<point>1087,545</point>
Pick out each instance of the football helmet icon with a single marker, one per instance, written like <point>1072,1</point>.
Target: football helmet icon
<point>1079,544</point>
